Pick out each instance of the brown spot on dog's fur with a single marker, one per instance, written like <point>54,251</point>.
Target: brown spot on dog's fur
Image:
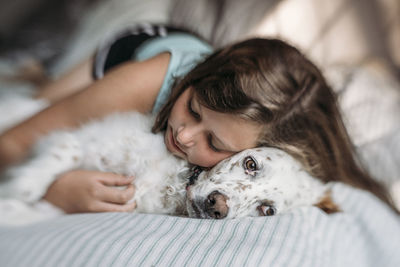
<point>233,165</point>
<point>242,187</point>
<point>327,205</point>
<point>288,202</point>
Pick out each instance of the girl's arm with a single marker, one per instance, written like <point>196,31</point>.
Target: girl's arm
<point>73,81</point>
<point>130,86</point>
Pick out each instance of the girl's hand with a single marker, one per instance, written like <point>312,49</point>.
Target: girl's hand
<point>90,191</point>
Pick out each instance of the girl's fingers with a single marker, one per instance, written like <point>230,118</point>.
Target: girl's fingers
<point>110,207</point>
<point>118,196</point>
<point>112,179</point>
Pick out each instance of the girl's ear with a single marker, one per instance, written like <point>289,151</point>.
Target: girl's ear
<point>326,204</point>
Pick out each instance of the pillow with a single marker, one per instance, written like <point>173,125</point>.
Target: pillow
<point>369,97</point>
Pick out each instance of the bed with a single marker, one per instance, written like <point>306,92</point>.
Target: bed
<point>365,233</point>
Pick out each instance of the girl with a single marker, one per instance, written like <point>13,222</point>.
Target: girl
<point>259,92</point>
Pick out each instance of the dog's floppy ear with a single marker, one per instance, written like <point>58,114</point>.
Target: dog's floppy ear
<point>326,204</point>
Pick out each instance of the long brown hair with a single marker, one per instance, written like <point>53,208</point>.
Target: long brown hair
<point>270,82</point>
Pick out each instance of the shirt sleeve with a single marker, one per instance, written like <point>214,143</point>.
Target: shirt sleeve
<point>186,52</point>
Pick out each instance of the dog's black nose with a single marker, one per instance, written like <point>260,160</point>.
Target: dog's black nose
<point>215,205</point>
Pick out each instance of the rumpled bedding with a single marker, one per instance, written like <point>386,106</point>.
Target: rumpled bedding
<point>365,233</point>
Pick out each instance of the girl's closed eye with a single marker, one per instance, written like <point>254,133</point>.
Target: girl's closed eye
<point>210,144</point>
<point>198,117</point>
<point>191,111</point>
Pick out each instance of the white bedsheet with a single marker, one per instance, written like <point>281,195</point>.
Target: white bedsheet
<point>366,233</point>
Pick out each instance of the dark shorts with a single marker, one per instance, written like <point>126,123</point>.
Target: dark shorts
<point>122,46</point>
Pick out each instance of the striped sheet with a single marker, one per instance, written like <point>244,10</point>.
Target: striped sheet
<point>366,233</point>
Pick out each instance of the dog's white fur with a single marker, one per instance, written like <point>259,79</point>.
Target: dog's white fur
<point>278,182</point>
<point>123,143</point>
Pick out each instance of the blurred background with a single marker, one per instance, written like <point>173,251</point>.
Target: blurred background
<point>340,31</point>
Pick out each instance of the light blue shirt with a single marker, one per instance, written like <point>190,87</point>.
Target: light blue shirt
<point>186,52</point>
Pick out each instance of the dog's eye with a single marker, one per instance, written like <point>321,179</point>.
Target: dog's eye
<point>250,165</point>
<point>266,210</point>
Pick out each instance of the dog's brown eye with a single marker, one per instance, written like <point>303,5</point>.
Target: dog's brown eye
<point>250,164</point>
<point>266,210</point>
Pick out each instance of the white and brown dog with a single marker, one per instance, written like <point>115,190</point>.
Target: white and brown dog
<point>254,182</point>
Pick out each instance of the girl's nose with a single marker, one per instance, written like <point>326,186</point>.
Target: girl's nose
<point>186,135</point>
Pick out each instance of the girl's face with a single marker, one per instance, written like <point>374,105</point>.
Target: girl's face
<point>205,137</point>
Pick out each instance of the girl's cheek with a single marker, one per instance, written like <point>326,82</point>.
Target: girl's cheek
<point>217,157</point>
<point>206,159</point>
<point>201,158</point>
